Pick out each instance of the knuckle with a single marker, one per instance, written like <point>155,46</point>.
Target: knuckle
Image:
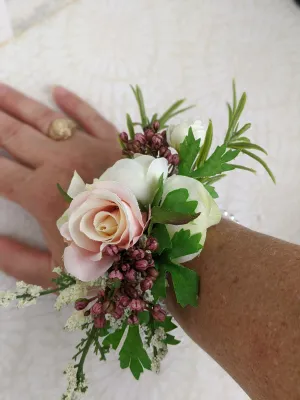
<point>10,132</point>
<point>44,118</point>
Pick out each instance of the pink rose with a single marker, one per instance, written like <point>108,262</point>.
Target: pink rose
<point>101,214</point>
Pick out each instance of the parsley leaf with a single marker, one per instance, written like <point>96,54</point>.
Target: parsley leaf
<point>170,339</point>
<point>133,354</point>
<point>216,163</point>
<point>161,234</point>
<point>188,152</point>
<point>144,317</point>
<point>167,324</point>
<point>186,284</point>
<point>114,338</point>
<point>159,287</point>
<point>183,244</point>
<point>211,190</point>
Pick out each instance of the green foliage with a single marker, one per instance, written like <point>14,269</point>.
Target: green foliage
<point>167,324</point>
<point>216,163</point>
<point>160,215</point>
<point>130,127</point>
<point>159,288</point>
<point>64,194</point>
<point>262,162</point>
<point>183,244</point>
<point>161,234</point>
<point>170,339</point>
<point>189,150</point>
<point>204,151</point>
<point>141,104</point>
<point>172,112</point>
<point>144,317</point>
<point>211,190</point>
<point>159,191</point>
<point>64,280</point>
<point>133,354</point>
<point>246,145</point>
<point>186,284</point>
<point>114,339</point>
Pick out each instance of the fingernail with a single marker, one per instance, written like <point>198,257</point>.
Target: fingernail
<point>60,91</point>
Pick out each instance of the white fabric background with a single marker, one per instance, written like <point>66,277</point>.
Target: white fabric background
<point>172,49</point>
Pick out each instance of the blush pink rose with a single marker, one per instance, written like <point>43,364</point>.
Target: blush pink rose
<point>101,214</point>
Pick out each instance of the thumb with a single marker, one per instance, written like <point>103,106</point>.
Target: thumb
<point>25,263</point>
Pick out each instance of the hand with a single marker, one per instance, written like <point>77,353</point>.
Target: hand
<point>40,163</point>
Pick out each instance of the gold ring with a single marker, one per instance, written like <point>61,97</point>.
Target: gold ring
<point>61,129</point>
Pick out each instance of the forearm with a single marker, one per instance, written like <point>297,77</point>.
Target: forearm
<point>248,317</point>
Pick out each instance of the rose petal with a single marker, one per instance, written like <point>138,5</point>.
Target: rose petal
<point>77,185</point>
<point>79,264</point>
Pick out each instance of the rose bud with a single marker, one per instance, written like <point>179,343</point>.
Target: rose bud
<point>124,301</point>
<point>124,137</point>
<point>111,250</point>
<point>96,309</point>
<point>130,275</point>
<point>138,254</point>
<point>155,125</point>
<point>147,284</point>
<point>149,134</point>
<point>118,313</point>
<point>116,274</point>
<point>81,304</point>
<point>141,265</point>
<point>133,320</point>
<point>140,138</point>
<point>175,159</point>
<point>158,313</point>
<point>125,267</point>
<point>137,305</point>
<point>152,272</point>
<point>152,244</point>
<point>99,322</point>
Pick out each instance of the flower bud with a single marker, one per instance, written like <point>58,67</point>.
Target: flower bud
<point>111,250</point>
<point>96,309</point>
<point>99,322</point>
<point>156,142</point>
<point>132,292</point>
<point>151,263</point>
<point>87,313</point>
<point>116,274</point>
<point>125,267</point>
<point>155,125</point>
<point>130,275</point>
<point>152,272</point>
<point>158,313</point>
<point>149,134</point>
<point>152,244</point>
<point>175,159</point>
<point>124,301</point>
<point>81,304</point>
<point>163,150</point>
<point>105,305</point>
<point>137,305</point>
<point>136,146</point>
<point>133,320</point>
<point>118,313</point>
<point>147,284</point>
<point>168,154</point>
<point>148,255</point>
<point>140,138</point>
<point>138,254</point>
<point>124,137</point>
<point>141,265</point>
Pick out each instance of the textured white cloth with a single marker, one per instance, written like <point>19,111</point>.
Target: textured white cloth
<point>172,49</point>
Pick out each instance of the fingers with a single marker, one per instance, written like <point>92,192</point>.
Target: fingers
<point>26,109</point>
<point>12,176</point>
<point>83,113</point>
<point>25,263</point>
<point>22,141</point>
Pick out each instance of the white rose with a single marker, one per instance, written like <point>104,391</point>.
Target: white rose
<point>209,211</point>
<point>140,174</point>
<point>177,133</point>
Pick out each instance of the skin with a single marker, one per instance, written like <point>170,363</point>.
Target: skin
<point>248,318</point>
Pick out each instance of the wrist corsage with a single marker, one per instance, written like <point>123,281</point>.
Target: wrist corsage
<point>129,233</point>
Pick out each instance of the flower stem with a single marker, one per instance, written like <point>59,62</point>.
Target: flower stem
<point>84,353</point>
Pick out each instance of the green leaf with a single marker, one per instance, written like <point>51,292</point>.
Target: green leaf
<point>262,162</point>
<point>214,179</point>
<point>217,163</point>
<point>235,117</point>
<point>240,139</point>
<point>204,151</point>
<point>170,339</point>
<point>245,145</point>
<point>159,192</point>
<point>236,166</point>
<point>154,118</point>
<point>144,317</point>
<point>133,354</point>
<point>167,324</point>
<point>211,190</point>
<point>130,127</point>
<point>64,194</point>
<point>230,112</point>
<point>241,131</point>
<point>114,339</point>
<point>161,234</point>
<point>188,152</point>
<point>140,100</point>
<point>166,115</point>
<point>233,95</point>
<point>186,284</point>
<point>159,288</point>
<point>177,200</point>
<point>182,110</point>
<point>183,244</point>
<point>161,216</point>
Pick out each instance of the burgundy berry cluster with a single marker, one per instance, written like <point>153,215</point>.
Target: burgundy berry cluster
<point>134,268</point>
<point>150,142</point>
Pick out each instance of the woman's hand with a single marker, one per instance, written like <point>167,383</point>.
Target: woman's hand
<point>40,163</point>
